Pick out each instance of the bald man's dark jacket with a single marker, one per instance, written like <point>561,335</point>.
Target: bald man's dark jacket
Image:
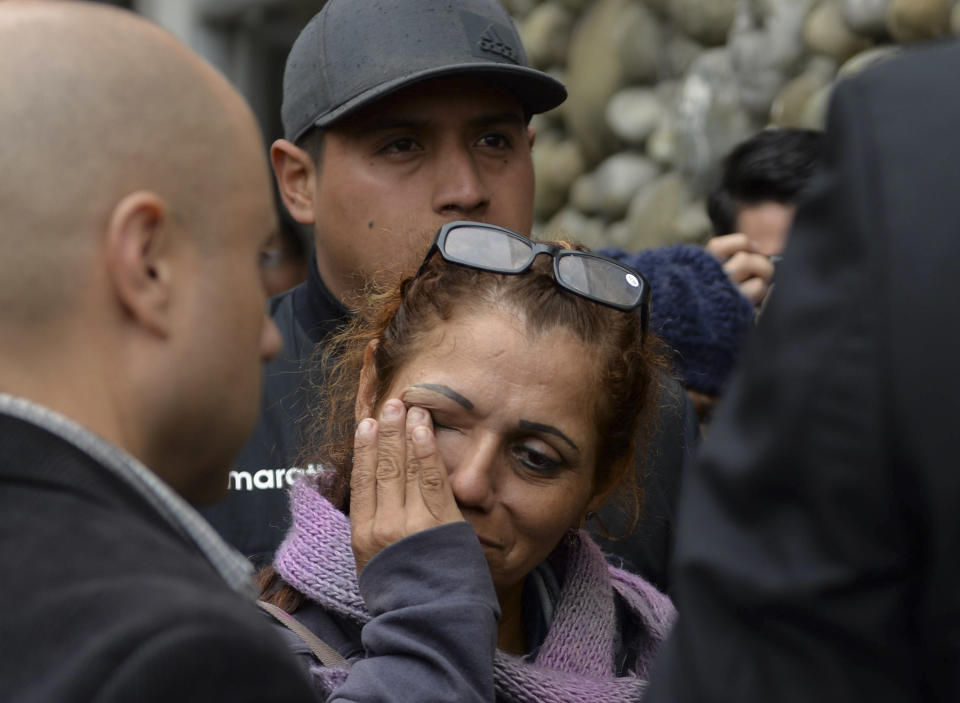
<point>818,554</point>
<point>101,599</point>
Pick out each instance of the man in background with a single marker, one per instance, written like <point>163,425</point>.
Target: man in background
<point>752,209</point>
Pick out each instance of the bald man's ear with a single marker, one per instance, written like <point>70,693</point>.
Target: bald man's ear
<point>296,179</point>
<point>137,258</point>
<point>531,135</point>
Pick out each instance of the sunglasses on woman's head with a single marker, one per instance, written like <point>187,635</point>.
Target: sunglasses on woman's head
<point>500,250</point>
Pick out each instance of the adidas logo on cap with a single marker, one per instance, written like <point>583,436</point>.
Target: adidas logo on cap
<point>491,43</point>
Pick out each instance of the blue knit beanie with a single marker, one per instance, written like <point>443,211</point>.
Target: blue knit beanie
<point>695,309</point>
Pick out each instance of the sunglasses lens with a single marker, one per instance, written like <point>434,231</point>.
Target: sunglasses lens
<point>599,279</point>
<point>487,248</point>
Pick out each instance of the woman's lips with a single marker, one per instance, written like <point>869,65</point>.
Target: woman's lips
<point>486,542</point>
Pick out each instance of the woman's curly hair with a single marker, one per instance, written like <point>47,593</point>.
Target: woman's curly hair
<point>623,365</point>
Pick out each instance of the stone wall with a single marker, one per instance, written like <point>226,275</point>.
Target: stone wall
<point>660,90</point>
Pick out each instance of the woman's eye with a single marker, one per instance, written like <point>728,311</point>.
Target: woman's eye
<point>536,461</point>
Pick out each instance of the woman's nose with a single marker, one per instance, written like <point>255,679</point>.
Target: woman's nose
<point>473,480</point>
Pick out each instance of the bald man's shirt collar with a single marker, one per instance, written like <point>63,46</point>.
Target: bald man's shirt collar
<point>236,571</point>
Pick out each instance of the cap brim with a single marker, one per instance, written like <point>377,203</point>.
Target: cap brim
<point>537,91</point>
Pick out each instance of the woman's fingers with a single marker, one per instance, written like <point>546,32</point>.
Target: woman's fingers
<point>434,496</point>
<point>391,458</point>
<point>363,478</point>
<point>399,484</point>
<point>416,418</point>
<point>377,483</point>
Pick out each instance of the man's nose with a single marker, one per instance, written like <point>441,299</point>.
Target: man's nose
<point>459,184</point>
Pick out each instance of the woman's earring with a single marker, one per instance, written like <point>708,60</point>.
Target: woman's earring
<point>587,518</point>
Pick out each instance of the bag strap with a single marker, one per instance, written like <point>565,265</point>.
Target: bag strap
<point>327,655</point>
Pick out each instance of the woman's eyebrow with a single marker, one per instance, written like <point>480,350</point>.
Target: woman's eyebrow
<point>448,392</point>
<point>549,429</point>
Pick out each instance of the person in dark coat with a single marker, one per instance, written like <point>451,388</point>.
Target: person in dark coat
<point>135,199</point>
<point>819,532</point>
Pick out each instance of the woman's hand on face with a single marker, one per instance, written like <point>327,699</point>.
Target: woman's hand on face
<point>399,484</point>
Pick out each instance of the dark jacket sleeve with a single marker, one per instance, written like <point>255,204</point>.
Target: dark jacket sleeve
<point>434,627</point>
<point>216,656</point>
<point>813,558</point>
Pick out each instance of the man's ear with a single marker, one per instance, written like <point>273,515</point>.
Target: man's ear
<point>137,247</point>
<point>531,134</point>
<point>296,179</point>
<point>367,391</point>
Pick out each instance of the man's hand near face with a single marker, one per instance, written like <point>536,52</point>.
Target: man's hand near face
<point>750,271</point>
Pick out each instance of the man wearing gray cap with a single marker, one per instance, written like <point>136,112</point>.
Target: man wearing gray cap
<point>400,116</point>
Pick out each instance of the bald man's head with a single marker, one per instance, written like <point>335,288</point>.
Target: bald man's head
<point>98,103</point>
<point>134,200</point>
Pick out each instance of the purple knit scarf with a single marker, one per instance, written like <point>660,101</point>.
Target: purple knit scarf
<point>575,662</point>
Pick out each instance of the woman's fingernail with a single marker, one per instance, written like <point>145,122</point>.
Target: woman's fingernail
<point>392,410</point>
<point>417,416</point>
<point>365,428</point>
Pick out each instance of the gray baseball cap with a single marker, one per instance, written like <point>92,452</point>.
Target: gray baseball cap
<point>356,51</point>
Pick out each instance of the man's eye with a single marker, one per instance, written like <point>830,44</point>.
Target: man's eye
<point>494,141</point>
<point>401,146</point>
